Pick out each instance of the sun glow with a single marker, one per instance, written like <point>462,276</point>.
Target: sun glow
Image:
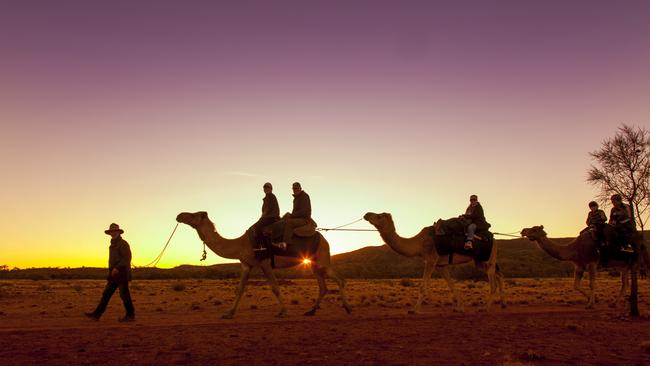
<point>306,261</point>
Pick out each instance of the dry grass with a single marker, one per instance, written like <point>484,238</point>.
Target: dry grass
<point>70,298</point>
<point>178,286</point>
<point>28,304</point>
<point>645,345</point>
<point>77,288</point>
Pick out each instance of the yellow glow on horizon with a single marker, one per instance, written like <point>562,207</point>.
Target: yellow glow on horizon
<point>521,185</point>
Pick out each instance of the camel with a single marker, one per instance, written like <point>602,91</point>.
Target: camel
<point>583,252</point>
<point>242,249</point>
<point>423,245</point>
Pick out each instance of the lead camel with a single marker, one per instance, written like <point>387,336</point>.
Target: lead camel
<point>242,249</point>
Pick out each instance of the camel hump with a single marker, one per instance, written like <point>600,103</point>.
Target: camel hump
<point>453,226</point>
<point>449,237</point>
<point>306,231</point>
<point>276,230</point>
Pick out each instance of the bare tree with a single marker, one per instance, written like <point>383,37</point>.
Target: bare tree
<point>624,168</point>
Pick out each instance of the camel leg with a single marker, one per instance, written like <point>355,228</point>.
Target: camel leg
<point>245,272</point>
<point>319,272</point>
<point>592,285</point>
<point>492,280</point>
<point>268,272</point>
<point>623,290</point>
<point>443,270</point>
<point>502,296</point>
<point>577,278</point>
<point>424,286</point>
<point>491,271</point>
<point>341,283</point>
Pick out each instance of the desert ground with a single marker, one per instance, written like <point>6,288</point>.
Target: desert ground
<point>179,322</point>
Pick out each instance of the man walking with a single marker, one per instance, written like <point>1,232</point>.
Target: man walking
<point>119,275</point>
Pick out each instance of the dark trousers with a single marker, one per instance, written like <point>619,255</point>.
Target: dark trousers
<point>125,294</point>
<point>262,223</point>
<point>259,227</point>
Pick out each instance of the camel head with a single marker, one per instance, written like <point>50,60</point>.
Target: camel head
<point>534,233</point>
<point>192,219</point>
<point>382,221</point>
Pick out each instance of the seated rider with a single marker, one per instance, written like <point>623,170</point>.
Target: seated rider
<point>620,217</point>
<point>299,216</point>
<point>596,221</point>
<point>270,214</point>
<point>474,214</point>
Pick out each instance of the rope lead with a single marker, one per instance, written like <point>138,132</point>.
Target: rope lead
<point>154,262</point>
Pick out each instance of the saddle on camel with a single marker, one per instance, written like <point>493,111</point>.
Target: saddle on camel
<point>614,245</point>
<point>449,237</point>
<point>293,236</point>
<point>302,244</point>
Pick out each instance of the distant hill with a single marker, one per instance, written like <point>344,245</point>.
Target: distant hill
<point>516,258</point>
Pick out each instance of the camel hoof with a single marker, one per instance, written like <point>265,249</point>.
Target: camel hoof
<point>413,312</point>
<point>228,316</point>
<point>311,312</point>
<point>347,308</point>
<point>459,310</point>
<point>504,305</point>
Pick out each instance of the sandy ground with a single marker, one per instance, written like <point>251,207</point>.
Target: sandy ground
<point>180,323</point>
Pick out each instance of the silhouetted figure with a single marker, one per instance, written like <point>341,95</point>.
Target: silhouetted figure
<point>596,224</point>
<point>270,214</point>
<point>299,216</point>
<point>596,221</point>
<point>476,218</point>
<point>620,217</point>
<point>119,275</point>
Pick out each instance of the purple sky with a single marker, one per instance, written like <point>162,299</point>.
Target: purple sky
<point>371,49</point>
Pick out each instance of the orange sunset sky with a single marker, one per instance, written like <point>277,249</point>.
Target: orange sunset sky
<point>134,113</point>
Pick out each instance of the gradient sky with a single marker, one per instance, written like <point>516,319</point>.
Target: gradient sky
<point>134,111</point>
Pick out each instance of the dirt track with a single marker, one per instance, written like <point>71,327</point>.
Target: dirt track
<point>546,324</point>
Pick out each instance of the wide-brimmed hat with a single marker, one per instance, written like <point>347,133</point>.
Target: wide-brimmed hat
<point>114,228</point>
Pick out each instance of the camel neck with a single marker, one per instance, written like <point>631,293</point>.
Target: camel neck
<point>561,252</point>
<point>225,248</point>
<point>409,247</point>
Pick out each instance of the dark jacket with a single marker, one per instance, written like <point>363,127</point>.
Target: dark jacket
<point>119,256</point>
<point>301,206</point>
<point>597,217</point>
<point>476,216</point>
<point>621,217</point>
<point>270,207</point>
